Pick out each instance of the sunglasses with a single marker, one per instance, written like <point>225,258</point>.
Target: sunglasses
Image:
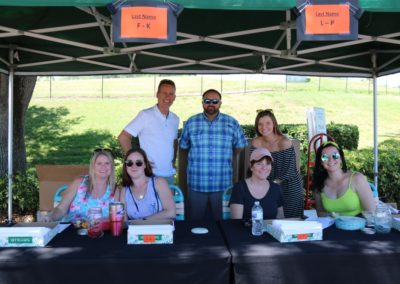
<point>325,157</point>
<point>265,110</point>
<point>97,150</point>
<point>208,101</point>
<point>130,163</point>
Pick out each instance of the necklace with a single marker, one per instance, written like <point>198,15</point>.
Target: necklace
<point>140,196</point>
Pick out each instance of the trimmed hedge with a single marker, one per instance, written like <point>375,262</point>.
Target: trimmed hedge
<point>346,135</point>
<point>388,167</point>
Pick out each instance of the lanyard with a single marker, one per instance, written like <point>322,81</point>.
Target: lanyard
<point>155,194</point>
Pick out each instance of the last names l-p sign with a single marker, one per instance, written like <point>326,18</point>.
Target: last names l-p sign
<point>327,19</point>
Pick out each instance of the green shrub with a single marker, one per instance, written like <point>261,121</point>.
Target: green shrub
<point>363,161</point>
<point>25,193</point>
<point>297,131</point>
<point>388,167</point>
<point>346,135</point>
<point>249,130</point>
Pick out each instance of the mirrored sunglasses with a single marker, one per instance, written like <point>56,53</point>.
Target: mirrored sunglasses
<point>208,101</point>
<point>130,163</point>
<point>325,157</point>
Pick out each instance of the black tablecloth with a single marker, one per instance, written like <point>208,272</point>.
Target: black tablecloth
<point>342,257</point>
<point>70,258</point>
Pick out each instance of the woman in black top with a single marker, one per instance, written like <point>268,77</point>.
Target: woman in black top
<point>257,188</point>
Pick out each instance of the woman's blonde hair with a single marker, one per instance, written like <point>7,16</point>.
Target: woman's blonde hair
<point>111,178</point>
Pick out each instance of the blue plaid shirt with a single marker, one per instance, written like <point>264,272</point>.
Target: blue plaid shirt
<point>211,145</point>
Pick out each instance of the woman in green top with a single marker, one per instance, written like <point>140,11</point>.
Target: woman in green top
<point>335,188</point>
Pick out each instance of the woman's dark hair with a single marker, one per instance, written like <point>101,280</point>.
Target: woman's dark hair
<point>267,112</point>
<point>319,173</point>
<point>148,171</point>
<point>249,173</point>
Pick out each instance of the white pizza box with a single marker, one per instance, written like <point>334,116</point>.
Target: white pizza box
<point>150,232</point>
<point>286,231</point>
<point>28,234</point>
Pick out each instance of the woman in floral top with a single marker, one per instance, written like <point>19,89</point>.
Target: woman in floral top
<point>97,189</point>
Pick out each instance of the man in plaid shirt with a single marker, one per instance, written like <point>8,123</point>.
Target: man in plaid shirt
<point>211,138</point>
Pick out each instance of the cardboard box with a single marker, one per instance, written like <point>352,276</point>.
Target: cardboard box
<point>142,232</point>
<point>28,234</point>
<point>312,231</point>
<point>51,177</point>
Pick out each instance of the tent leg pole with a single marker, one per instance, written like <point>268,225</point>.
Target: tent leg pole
<point>375,98</point>
<point>10,133</point>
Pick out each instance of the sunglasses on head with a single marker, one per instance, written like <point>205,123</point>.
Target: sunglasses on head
<point>130,163</point>
<point>265,110</point>
<point>97,150</point>
<point>209,101</point>
<point>330,143</point>
<point>325,157</point>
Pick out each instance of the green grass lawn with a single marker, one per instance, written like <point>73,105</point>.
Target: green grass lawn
<point>66,130</point>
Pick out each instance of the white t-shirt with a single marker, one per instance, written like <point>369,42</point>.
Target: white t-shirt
<point>156,133</point>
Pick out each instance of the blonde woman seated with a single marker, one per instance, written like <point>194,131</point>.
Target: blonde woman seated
<point>257,188</point>
<point>144,195</point>
<point>335,188</point>
<point>97,189</point>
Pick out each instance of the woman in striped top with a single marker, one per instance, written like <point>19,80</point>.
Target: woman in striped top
<point>284,171</point>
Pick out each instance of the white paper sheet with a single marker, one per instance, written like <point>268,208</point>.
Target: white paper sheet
<point>312,213</point>
<point>325,221</point>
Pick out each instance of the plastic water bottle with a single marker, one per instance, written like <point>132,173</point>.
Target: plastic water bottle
<point>383,219</point>
<point>257,217</point>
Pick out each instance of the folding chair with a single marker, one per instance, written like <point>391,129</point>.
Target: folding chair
<point>57,196</point>
<point>179,202</point>
<point>226,210</point>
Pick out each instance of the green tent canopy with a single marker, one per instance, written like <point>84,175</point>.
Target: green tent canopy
<point>369,5</point>
<point>60,37</point>
<point>73,38</point>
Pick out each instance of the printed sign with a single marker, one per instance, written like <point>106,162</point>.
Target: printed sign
<point>327,19</point>
<point>323,20</point>
<point>315,121</point>
<point>144,21</point>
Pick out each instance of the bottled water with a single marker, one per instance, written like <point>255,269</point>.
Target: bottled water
<point>257,217</point>
<point>383,219</point>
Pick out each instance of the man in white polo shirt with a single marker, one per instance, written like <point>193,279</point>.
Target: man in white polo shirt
<point>157,129</point>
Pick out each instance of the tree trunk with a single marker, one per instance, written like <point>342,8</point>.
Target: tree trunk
<point>23,90</point>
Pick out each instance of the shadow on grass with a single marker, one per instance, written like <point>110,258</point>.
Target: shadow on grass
<point>391,135</point>
<point>47,141</point>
